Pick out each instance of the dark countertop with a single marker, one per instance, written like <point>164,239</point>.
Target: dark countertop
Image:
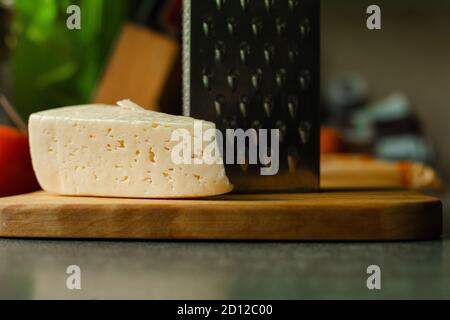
<point>36,269</point>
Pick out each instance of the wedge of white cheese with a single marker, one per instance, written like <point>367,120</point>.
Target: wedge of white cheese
<point>118,151</point>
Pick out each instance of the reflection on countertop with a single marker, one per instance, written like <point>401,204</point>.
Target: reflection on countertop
<point>198,270</point>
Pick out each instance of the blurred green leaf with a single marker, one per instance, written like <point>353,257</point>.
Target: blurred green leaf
<point>53,66</point>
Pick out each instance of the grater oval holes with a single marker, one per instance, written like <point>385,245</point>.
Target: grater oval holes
<point>231,26</point>
<point>305,29</point>
<point>282,130</point>
<point>219,105</point>
<point>220,4</point>
<point>293,4</point>
<point>281,27</point>
<point>244,52</point>
<point>206,79</point>
<point>305,80</point>
<point>257,125</point>
<point>232,80</point>
<point>257,27</point>
<point>293,106</point>
<point>244,106</point>
<point>304,131</point>
<point>219,51</point>
<point>244,4</point>
<point>257,79</point>
<point>268,106</point>
<point>281,78</point>
<point>207,26</point>
<point>268,4</point>
<point>293,54</point>
<point>269,52</point>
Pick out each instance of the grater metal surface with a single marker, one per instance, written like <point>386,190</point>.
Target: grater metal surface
<point>256,64</point>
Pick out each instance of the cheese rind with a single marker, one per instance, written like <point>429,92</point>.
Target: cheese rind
<point>117,151</point>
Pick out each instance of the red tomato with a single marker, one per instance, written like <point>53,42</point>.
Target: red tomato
<point>16,172</point>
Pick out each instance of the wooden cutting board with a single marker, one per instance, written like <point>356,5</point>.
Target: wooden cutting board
<point>398,215</point>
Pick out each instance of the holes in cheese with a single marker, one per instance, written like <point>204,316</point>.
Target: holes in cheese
<point>99,150</point>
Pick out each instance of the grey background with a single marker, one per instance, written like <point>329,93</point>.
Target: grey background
<point>410,54</point>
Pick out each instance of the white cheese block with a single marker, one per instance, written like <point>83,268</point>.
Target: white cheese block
<point>117,151</point>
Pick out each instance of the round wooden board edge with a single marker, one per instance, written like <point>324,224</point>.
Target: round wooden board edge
<point>420,220</point>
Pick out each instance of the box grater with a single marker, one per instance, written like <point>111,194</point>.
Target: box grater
<point>256,64</point>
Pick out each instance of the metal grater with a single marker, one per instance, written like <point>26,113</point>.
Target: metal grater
<point>256,64</point>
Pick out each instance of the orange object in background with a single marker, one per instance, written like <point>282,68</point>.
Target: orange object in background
<point>330,140</point>
<point>16,172</point>
<point>359,171</point>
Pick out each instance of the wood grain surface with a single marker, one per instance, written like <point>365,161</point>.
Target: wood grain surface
<point>371,216</point>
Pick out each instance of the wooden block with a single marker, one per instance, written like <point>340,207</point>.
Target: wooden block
<point>340,216</point>
<point>141,69</point>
